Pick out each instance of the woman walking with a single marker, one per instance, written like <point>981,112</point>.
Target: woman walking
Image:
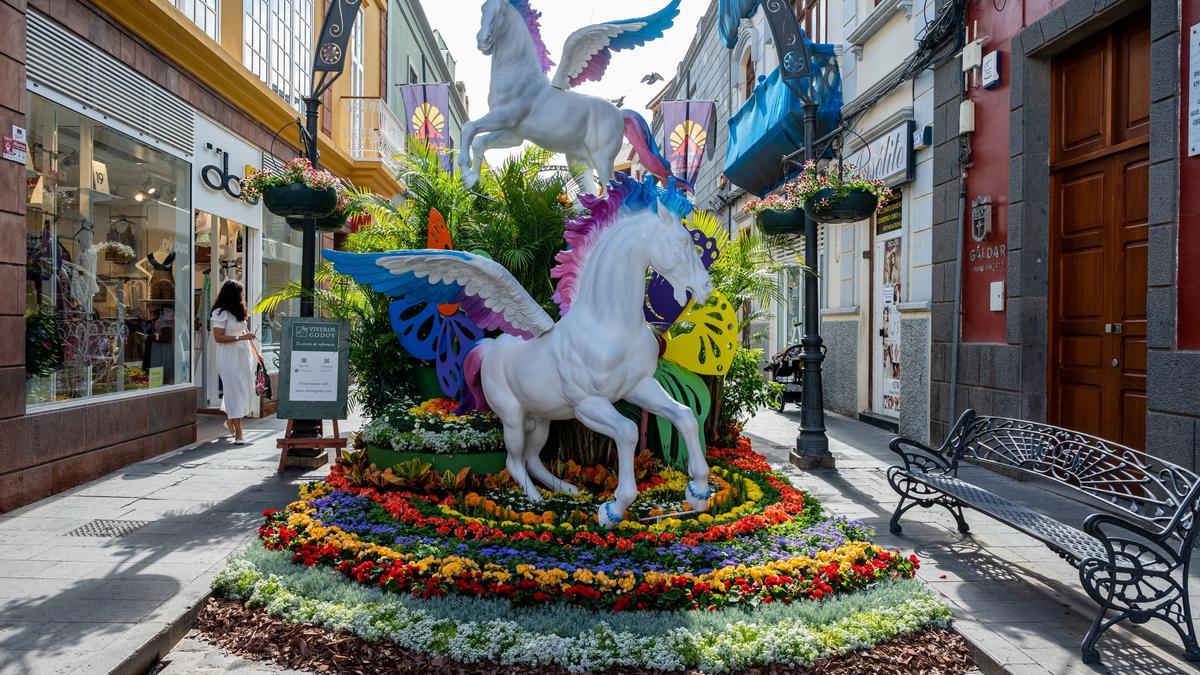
<point>237,355</point>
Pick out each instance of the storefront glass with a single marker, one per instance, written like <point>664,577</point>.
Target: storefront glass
<point>109,259</point>
<point>282,247</point>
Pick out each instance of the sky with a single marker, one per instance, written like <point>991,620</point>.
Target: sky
<point>458,22</point>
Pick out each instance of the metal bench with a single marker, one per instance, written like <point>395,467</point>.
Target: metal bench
<point>1133,557</point>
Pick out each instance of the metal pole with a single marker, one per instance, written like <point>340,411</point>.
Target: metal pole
<point>308,262</point>
<point>812,445</point>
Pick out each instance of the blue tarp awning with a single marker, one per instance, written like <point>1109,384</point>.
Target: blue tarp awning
<point>729,14</point>
<point>770,125</point>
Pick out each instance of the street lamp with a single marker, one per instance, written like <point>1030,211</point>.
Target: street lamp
<point>800,71</point>
<point>329,61</point>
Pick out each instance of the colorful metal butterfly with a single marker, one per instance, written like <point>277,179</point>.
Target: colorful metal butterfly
<point>434,329</point>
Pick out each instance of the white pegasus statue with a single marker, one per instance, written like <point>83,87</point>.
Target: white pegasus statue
<point>527,106</point>
<point>601,351</point>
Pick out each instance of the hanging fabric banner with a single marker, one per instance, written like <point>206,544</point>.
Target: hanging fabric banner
<point>425,110</point>
<point>689,127</point>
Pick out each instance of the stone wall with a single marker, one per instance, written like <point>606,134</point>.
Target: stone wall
<point>840,369</point>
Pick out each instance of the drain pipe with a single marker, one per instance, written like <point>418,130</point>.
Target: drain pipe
<point>955,337</point>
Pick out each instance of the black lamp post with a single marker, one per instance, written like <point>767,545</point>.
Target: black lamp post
<point>329,61</point>
<point>800,72</point>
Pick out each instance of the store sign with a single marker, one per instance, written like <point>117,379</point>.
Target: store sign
<point>314,373</point>
<point>221,161</point>
<point>889,158</point>
<point>14,148</point>
<point>890,217</point>
<point>217,177</point>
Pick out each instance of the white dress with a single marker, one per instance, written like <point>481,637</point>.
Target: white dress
<point>235,365</point>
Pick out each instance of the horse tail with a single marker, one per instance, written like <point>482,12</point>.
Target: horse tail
<point>638,133</point>
<point>473,399</point>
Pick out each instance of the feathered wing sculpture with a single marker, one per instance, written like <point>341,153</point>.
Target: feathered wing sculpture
<point>588,51</point>
<point>424,283</point>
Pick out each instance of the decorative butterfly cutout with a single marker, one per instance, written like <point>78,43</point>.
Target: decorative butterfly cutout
<point>661,309</point>
<point>437,331</point>
<point>708,348</point>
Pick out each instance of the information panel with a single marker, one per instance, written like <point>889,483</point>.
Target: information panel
<point>314,373</point>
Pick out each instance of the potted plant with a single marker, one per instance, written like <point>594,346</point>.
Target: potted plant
<point>778,213</point>
<point>436,433</point>
<point>842,196</point>
<point>299,191</point>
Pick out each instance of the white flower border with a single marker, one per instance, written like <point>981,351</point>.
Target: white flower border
<point>708,645</point>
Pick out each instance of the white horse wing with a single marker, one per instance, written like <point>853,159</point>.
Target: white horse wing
<point>588,51</point>
<point>491,296</point>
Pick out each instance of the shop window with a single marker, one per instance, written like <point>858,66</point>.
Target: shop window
<point>108,254</point>
<point>203,13</point>
<point>277,40</point>
<point>281,256</point>
<point>846,262</point>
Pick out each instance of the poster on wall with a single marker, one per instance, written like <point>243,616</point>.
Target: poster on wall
<point>1193,123</point>
<point>890,293</point>
<point>314,373</point>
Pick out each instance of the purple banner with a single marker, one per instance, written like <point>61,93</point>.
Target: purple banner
<point>688,126</point>
<point>426,112</point>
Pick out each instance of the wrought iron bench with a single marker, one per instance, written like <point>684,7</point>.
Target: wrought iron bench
<point>1133,558</point>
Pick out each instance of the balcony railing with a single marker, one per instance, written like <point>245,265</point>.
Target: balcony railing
<point>370,131</point>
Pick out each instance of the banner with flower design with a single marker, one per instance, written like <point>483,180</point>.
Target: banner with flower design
<point>690,129</point>
<point>426,111</point>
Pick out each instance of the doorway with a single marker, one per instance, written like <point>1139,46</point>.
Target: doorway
<point>224,250</point>
<point>1099,183</point>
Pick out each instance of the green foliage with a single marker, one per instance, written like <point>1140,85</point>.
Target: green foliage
<point>689,389</point>
<point>44,338</point>
<point>745,389</point>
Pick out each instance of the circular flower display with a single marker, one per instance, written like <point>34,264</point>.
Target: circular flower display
<point>761,541</point>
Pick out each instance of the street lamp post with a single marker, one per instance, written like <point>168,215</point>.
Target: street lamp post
<point>329,61</point>
<point>800,71</point>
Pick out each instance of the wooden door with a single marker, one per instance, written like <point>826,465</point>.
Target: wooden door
<point>1098,236</point>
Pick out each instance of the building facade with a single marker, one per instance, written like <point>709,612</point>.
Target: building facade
<point>417,54</point>
<point>122,213</point>
<point>1081,210</point>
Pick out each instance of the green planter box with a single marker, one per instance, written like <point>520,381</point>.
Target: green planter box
<point>480,462</point>
<point>427,383</point>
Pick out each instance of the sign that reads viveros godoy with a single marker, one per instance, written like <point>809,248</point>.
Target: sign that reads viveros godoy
<point>314,376</point>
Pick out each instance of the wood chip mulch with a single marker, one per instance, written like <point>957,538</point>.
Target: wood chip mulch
<point>254,634</point>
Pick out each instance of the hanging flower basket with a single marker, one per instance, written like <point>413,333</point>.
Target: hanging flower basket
<point>299,191</point>
<point>825,206</point>
<point>782,222</point>
<point>297,200</point>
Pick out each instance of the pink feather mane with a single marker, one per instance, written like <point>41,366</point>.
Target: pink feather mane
<point>533,23</point>
<point>581,235</point>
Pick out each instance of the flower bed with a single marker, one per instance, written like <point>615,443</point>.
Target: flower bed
<point>469,568</point>
<point>434,427</point>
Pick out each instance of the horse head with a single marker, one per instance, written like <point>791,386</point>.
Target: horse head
<point>673,255</point>
<point>486,39</point>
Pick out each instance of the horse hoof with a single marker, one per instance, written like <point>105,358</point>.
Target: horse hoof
<point>470,179</point>
<point>609,515</point>
<point>569,489</point>
<point>698,499</point>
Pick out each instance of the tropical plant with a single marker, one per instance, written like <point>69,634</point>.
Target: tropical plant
<point>744,390</point>
<point>44,338</point>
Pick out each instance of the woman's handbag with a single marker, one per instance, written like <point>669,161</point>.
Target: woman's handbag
<point>262,381</point>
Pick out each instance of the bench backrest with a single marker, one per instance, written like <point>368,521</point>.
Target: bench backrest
<point>1162,494</point>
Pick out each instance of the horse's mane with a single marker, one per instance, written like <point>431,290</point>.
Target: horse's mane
<point>533,22</point>
<point>626,196</point>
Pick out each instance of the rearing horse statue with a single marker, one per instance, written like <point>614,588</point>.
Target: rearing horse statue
<point>600,352</point>
<point>527,106</point>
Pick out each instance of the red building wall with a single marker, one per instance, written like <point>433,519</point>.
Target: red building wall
<point>1189,199</point>
<point>989,171</point>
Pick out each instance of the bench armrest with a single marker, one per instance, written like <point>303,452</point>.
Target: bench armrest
<point>1114,532</point>
<point>920,456</point>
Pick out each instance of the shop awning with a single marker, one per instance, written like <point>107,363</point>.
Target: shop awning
<point>770,125</point>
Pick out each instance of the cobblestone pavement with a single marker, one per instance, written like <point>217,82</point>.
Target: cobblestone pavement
<point>1014,599</point>
<point>92,604</point>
